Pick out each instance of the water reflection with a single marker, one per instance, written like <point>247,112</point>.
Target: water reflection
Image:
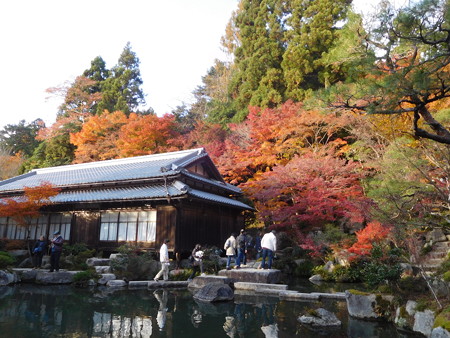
<point>63,311</point>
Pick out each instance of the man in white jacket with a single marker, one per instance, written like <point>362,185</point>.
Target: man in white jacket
<point>269,246</point>
<point>164,259</point>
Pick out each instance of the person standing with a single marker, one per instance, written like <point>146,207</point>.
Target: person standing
<point>164,259</point>
<point>197,263</point>
<point>40,247</point>
<point>269,246</point>
<point>258,248</point>
<point>241,248</point>
<point>56,250</point>
<point>230,249</point>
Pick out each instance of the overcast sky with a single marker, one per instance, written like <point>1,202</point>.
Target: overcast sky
<point>46,43</point>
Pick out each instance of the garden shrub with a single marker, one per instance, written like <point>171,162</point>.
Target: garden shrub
<point>6,259</point>
<point>132,264</point>
<point>304,269</point>
<point>83,277</point>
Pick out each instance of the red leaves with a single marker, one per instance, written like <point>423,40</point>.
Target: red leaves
<point>373,233</point>
<point>309,192</point>
<point>27,206</point>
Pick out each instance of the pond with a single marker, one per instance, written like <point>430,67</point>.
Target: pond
<point>65,311</point>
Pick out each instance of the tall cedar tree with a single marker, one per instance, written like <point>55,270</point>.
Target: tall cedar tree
<point>257,78</point>
<point>122,90</point>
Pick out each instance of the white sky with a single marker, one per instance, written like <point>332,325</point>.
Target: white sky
<point>45,43</point>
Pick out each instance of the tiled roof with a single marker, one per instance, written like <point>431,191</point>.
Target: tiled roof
<point>156,191</point>
<point>118,194</point>
<point>141,167</point>
<point>109,172</point>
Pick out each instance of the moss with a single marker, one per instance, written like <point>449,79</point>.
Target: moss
<point>447,276</point>
<point>422,305</point>
<point>403,312</point>
<point>443,320</point>
<point>312,312</point>
<point>386,289</point>
<point>358,292</point>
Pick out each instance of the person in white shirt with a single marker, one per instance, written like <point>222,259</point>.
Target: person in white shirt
<point>269,246</point>
<point>230,249</point>
<point>164,259</point>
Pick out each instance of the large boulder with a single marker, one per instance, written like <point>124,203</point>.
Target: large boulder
<point>369,306</point>
<point>7,278</point>
<point>214,293</point>
<point>201,281</point>
<point>423,322</point>
<point>440,332</point>
<point>320,318</point>
<point>268,276</point>
<point>60,277</point>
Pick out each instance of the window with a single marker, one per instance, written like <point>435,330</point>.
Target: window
<point>3,223</point>
<point>61,222</point>
<point>128,226</point>
<point>147,226</point>
<point>108,230</point>
<point>38,227</point>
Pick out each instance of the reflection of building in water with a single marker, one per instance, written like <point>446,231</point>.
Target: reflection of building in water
<point>119,326</point>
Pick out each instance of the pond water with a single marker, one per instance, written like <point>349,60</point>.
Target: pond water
<point>66,311</point>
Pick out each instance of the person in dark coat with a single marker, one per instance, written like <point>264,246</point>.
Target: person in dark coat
<point>39,249</point>
<point>197,261</point>
<point>55,255</point>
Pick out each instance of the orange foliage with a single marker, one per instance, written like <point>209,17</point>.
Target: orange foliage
<point>97,139</point>
<point>373,233</point>
<point>22,209</point>
<point>274,136</point>
<point>9,165</point>
<point>148,134</point>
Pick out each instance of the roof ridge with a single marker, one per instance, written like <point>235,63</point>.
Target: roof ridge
<point>127,160</point>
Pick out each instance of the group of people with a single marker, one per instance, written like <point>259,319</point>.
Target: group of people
<point>40,248</point>
<point>236,248</point>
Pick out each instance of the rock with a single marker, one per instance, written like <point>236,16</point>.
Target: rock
<point>423,322</point>
<point>94,261</point>
<point>329,266</point>
<point>368,306</point>
<point>106,277</point>
<point>320,318</point>
<point>102,269</point>
<point>7,278</point>
<point>201,281</point>
<point>269,276</point>
<point>60,277</point>
<point>214,293</point>
<point>116,283</point>
<point>404,315</point>
<point>26,263</point>
<point>440,332</point>
<point>26,275</point>
<point>436,235</point>
<point>316,278</point>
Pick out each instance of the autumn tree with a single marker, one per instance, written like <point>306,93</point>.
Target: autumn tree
<point>23,209</point>
<point>409,67</point>
<point>309,192</point>
<point>97,139</point>
<point>148,134</point>
<point>9,164</point>
<point>274,136</point>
